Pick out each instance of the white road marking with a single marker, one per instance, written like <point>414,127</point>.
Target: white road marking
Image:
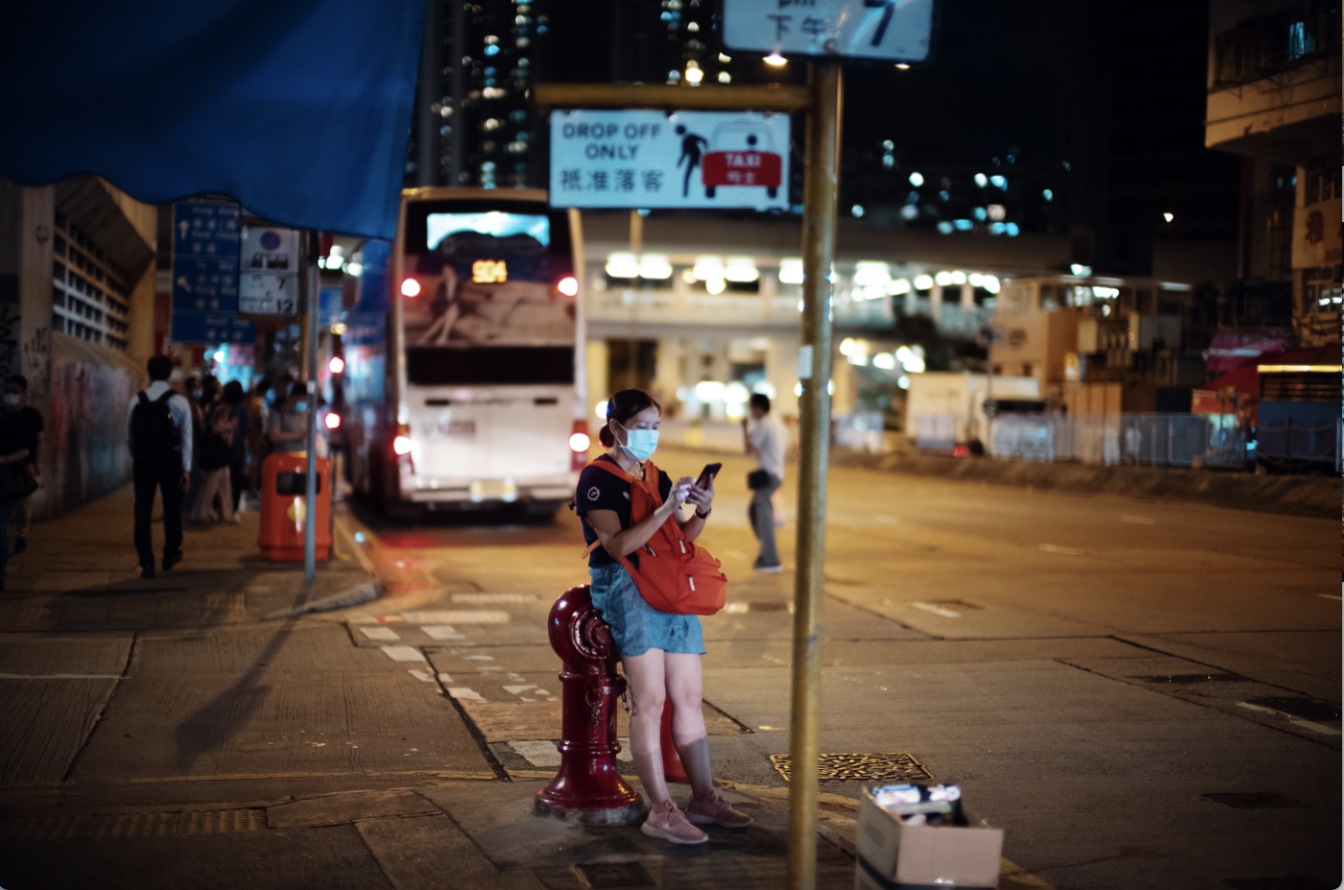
<point>465,694</point>
<point>1138,520</point>
<point>443,632</point>
<point>516,690</point>
<point>1327,596</point>
<point>403,653</point>
<point>538,753</point>
<point>379,633</point>
<point>445,678</point>
<point>886,520</point>
<point>422,675</point>
<point>1066,551</point>
<point>937,610</point>
<point>494,597</point>
<point>478,658</point>
<point>1296,721</point>
<point>454,616</point>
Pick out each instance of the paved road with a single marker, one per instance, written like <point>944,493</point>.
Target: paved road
<point>1140,693</point>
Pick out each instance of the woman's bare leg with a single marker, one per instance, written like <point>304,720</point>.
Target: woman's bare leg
<point>645,675</point>
<point>688,720</point>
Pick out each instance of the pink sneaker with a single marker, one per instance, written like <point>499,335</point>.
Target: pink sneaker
<point>668,822</point>
<point>714,810</point>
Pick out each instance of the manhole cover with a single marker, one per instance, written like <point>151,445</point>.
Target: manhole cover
<point>613,875</point>
<point>860,768</point>
<point>1187,679</point>
<point>1306,708</point>
<point>1257,801</point>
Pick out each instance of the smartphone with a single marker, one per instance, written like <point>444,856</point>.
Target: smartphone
<point>708,473</point>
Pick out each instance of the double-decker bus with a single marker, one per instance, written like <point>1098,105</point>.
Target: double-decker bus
<point>469,392</point>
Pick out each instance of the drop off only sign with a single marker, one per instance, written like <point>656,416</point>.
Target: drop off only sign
<point>684,160</point>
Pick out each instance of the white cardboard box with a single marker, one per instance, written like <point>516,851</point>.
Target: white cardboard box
<point>925,854</point>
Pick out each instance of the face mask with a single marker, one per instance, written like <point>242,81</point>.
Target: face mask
<point>640,444</point>
<point>13,399</point>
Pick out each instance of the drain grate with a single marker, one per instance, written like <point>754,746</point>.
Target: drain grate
<point>110,825</point>
<point>1306,708</point>
<point>613,875</point>
<point>860,768</point>
<point>1264,800</point>
<point>1190,679</point>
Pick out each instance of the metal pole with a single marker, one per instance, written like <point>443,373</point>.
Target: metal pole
<point>428,170</point>
<point>814,371</point>
<point>310,436</point>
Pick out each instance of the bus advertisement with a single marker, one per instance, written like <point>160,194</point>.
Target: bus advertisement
<point>478,400</point>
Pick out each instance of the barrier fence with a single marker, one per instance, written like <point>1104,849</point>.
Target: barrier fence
<point>1177,440</point>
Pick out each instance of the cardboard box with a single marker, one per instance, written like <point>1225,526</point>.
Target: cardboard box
<point>924,855</point>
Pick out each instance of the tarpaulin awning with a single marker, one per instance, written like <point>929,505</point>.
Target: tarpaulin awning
<point>1246,379</point>
<point>299,110</point>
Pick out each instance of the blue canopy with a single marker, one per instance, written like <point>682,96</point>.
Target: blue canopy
<point>299,109</point>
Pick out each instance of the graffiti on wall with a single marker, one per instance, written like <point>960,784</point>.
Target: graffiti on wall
<point>9,339</point>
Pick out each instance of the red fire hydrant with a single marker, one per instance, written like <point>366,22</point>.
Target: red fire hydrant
<point>588,787</point>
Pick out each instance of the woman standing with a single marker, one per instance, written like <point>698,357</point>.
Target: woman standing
<point>659,651</point>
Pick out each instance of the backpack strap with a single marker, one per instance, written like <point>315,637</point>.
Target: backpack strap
<point>144,399</point>
<point>165,397</point>
<point>614,469</point>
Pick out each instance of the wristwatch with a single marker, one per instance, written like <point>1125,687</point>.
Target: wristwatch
<point>704,515</point>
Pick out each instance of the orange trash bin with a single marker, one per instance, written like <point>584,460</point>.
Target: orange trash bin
<point>283,488</point>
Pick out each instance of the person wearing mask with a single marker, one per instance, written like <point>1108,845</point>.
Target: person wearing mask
<point>30,419</point>
<point>221,427</point>
<point>763,438</point>
<point>257,410</point>
<point>287,428</point>
<point>660,651</point>
<point>235,399</point>
<point>160,437</point>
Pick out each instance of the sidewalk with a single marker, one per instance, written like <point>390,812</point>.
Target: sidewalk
<point>173,732</point>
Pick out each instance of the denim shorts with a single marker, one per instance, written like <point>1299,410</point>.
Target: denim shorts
<point>636,626</point>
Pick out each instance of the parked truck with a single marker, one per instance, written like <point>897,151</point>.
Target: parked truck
<point>945,410</point>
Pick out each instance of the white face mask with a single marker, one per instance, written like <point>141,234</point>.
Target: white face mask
<point>639,444</point>
<point>13,399</point>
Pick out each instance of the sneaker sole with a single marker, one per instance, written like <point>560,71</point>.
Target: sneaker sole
<point>669,836</point>
<point>769,570</point>
<point>710,820</point>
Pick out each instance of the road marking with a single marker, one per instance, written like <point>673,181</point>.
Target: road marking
<point>403,653</point>
<point>1296,721</point>
<point>443,632</point>
<point>444,678</point>
<point>494,597</point>
<point>478,658</point>
<point>1327,596</point>
<point>937,610</point>
<point>886,520</point>
<point>61,677</point>
<point>426,676</point>
<point>465,694</point>
<point>379,633</point>
<point>1066,551</point>
<point>1138,520</point>
<point>517,690</point>
<point>482,616</point>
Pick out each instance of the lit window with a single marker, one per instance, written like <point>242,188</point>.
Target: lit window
<point>916,179</point>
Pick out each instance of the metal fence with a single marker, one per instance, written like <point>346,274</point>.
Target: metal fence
<point>1176,440</point>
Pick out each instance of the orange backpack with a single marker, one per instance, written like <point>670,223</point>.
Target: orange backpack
<point>673,575</point>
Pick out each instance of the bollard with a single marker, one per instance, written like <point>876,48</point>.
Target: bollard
<point>588,788</point>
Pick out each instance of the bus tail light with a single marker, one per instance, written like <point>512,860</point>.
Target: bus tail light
<point>401,443</point>
<point>578,445</point>
<point>569,286</point>
<point>333,420</point>
<point>410,288</point>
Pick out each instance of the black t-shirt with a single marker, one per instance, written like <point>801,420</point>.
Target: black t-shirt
<point>16,435</point>
<point>599,490</point>
<point>29,419</point>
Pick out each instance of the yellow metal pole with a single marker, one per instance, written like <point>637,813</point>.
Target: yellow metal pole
<point>821,181</point>
<point>772,97</point>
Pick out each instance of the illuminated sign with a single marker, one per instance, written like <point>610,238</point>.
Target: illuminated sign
<point>489,271</point>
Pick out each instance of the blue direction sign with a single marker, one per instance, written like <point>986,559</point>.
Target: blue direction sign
<point>205,274</point>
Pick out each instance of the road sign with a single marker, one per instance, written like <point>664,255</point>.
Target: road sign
<point>885,30</point>
<point>653,160</point>
<point>269,283</point>
<point>205,273</point>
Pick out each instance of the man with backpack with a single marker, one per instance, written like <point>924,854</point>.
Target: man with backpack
<point>159,430</point>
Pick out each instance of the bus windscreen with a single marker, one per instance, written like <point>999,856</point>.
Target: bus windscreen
<point>485,277</point>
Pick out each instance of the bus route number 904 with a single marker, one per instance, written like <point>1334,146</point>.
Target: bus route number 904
<point>489,272</point>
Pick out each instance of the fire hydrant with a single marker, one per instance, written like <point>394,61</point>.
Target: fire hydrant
<point>588,788</point>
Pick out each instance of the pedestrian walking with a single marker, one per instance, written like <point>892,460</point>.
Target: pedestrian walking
<point>256,433</point>
<point>160,437</point>
<point>216,456</point>
<point>30,419</point>
<point>16,482</point>
<point>763,438</point>
<point>660,651</point>
<point>194,392</point>
<point>236,400</point>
